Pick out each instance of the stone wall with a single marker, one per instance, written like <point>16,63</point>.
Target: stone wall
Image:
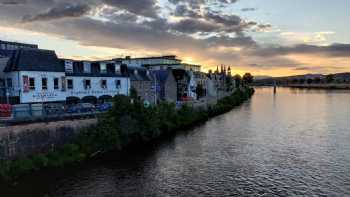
<point>22,140</point>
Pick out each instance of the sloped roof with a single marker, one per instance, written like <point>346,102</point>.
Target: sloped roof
<point>162,75</point>
<point>34,60</point>
<point>5,53</point>
<point>141,74</point>
<point>180,74</point>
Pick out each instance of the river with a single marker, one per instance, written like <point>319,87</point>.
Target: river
<point>296,142</point>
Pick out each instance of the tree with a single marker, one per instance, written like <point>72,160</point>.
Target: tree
<point>238,80</point>
<point>309,81</point>
<point>200,91</point>
<point>317,80</point>
<point>133,93</point>
<point>330,78</point>
<point>248,78</point>
<point>229,83</point>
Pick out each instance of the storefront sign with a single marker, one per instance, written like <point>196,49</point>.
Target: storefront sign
<point>43,96</point>
<point>93,92</point>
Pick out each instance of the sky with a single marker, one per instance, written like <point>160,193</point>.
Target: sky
<point>264,37</point>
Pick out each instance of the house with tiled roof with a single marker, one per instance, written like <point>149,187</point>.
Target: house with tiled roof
<point>39,76</point>
<point>144,82</point>
<point>34,76</point>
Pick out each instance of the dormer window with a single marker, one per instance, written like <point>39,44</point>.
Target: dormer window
<point>87,67</point>
<point>117,69</point>
<point>103,68</point>
<point>68,66</point>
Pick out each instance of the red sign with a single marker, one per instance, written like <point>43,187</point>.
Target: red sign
<point>25,84</point>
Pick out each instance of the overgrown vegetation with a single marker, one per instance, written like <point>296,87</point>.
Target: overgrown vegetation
<point>129,122</point>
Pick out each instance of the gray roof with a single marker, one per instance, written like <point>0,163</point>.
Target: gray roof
<point>141,74</point>
<point>162,75</point>
<point>34,60</point>
<point>20,45</point>
<point>5,53</point>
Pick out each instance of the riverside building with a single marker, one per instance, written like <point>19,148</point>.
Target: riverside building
<point>38,76</point>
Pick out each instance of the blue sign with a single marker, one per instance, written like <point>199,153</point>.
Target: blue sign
<point>157,88</point>
<point>146,104</point>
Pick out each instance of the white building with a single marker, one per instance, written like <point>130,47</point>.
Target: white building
<point>91,81</point>
<point>38,76</point>
<point>5,45</point>
<point>151,61</point>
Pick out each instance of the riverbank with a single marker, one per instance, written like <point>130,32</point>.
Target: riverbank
<point>320,86</point>
<point>126,124</point>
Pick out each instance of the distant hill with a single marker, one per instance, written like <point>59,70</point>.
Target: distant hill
<point>259,77</point>
<point>265,80</point>
<point>342,75</point>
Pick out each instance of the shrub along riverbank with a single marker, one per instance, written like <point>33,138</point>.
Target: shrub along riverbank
<point>124,125</point>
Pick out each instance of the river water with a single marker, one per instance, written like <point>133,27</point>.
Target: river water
<point>296,142</point>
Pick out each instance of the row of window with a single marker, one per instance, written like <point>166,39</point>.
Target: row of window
<point>87,84</point>
<point>87,67</point>
<point>70,83</point>
<point>43,83</point>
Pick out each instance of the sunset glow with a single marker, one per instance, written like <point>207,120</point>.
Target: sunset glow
<point>272,38</point>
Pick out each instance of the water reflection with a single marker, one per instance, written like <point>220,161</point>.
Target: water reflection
<point>293,143</point>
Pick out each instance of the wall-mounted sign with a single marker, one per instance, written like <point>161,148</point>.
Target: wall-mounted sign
<point>45,95</point>
<point>25,84</point>
<point>93,92</point>
<point>63,80</point>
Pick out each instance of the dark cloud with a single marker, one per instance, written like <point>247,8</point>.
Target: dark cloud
<point>194,26</point>
<point>185,11</point>
<point>227,23</point>
<point>334,50</point>
<point>196,4</point>
<point>63,11</point>
<point>243,41</point>
<point>248,9</point>
<point>199,31</point>
<point>227,20</point>
<point>147,8</point>
<point>13,2</point>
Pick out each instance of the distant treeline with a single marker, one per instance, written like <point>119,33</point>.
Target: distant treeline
<point>339,78</point>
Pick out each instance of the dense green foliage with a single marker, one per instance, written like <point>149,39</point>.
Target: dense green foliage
<point>129,122</point>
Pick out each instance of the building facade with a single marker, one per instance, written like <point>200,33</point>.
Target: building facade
<point>145,83</point>
<point>38,76</point>
<point>34,76</point>
<point>150,61</point>
<point>167,86</point>
<point>95,81</point>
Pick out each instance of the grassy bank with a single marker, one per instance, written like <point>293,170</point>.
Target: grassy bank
<point>124,125</point>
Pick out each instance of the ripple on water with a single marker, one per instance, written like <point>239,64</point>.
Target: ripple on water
<point>295,143</point>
